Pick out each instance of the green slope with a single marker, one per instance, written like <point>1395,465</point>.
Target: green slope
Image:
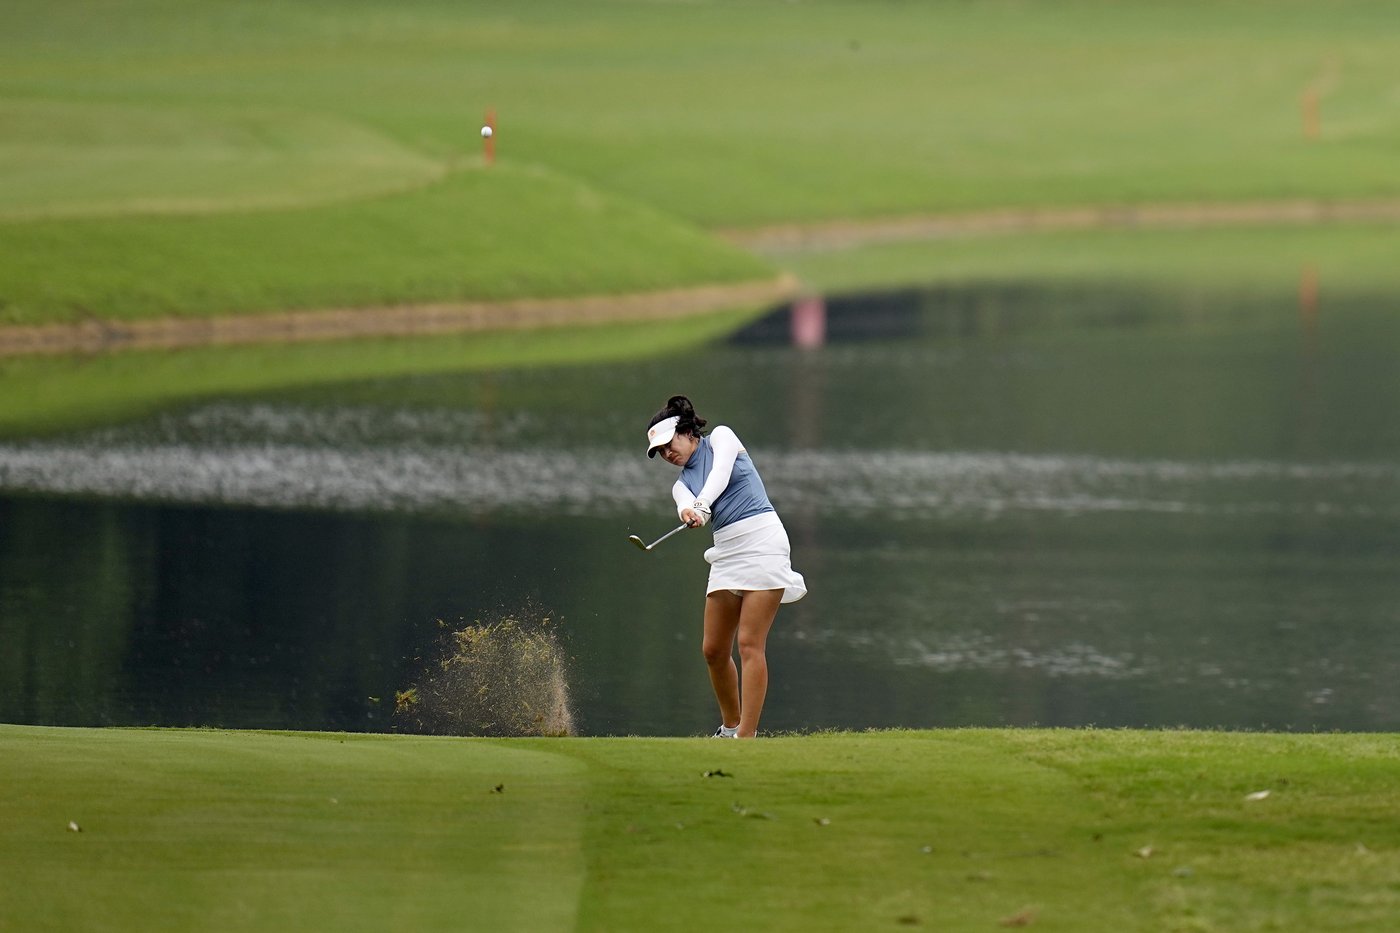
<point>495,234</point>
<point>46,394</point>
<point>246,156</point>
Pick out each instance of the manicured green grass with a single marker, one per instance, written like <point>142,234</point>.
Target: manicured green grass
<point>243,156</point>
<point>1350,259</point>
<point>949,830</point>
<point>94,158</point>
<point>736,113</point>
<point>219,831</point>
<point>475,235</point>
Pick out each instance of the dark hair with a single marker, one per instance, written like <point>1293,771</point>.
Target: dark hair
<point>678,406</point>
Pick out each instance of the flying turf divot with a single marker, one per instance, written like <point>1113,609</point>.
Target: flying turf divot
<point>507,677</point>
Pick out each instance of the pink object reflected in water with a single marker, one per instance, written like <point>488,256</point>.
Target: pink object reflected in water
<point>809,322</point>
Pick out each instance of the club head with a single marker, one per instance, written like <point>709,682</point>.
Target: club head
<point>637,541</point>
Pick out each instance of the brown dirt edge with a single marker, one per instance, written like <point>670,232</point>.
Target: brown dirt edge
<point>101,336</point>
<point>844,234</point>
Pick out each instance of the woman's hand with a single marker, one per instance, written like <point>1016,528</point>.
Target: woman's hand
<point>697,515</point>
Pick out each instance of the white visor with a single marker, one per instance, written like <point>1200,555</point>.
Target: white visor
<point>660,434</point>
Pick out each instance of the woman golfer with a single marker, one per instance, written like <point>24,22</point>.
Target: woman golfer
<point>750,565</point>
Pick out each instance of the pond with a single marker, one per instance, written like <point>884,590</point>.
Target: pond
<point>1014,504</point>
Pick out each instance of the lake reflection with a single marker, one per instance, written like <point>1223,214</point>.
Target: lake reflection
<point>1015,505</point>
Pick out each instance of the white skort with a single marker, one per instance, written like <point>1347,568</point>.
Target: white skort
<point>754,554</point>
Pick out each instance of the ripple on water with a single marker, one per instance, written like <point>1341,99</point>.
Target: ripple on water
<point>370,459</point>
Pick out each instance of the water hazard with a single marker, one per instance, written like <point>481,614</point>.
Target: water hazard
<point>1015,505</point>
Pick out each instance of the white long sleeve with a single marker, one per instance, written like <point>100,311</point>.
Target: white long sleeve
<point>727,448</point>
<point>684,498</point>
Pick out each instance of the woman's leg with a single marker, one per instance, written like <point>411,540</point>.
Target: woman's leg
<point>721,624</point>
<point>756,613</point>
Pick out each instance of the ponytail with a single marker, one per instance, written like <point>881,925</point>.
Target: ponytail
<point>680,408</point>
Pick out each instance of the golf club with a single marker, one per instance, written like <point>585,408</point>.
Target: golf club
<point>647,547</point>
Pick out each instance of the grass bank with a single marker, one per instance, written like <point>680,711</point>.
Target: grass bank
<point>949,830</point>
<point>45,394</point>
<point>473,235</point>
<point>324,153</point>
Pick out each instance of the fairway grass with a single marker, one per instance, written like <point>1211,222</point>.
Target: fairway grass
<point>221,831</point>
<point>948,830</point>
<point>247,157</point>
<point>85,159</point>
<point>1338,259</point>
<point>474,235</point>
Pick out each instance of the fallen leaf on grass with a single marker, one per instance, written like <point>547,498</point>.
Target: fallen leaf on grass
<point>1022,918</point>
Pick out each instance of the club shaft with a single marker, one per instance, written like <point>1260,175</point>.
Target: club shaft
<point>681,527</point>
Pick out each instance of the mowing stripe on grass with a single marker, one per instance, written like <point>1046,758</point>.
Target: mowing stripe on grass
<point>1069,830</point>
<point>214,830</point>
<point>509,233</point>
